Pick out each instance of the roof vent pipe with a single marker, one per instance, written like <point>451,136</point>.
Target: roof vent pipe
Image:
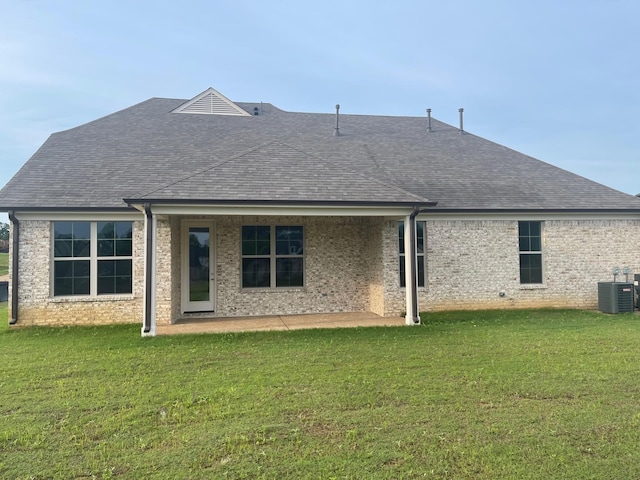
<point>461,110</point>
<point>336,131</point>
<point>429,120</point>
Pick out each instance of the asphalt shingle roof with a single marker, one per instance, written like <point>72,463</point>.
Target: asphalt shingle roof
<point>254,175</point>
<point>145,152</point>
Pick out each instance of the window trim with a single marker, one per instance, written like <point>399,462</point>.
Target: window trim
<point>273,257</point>
<point>93,259</point>
<point>539,253</point>
<point>401,255</point>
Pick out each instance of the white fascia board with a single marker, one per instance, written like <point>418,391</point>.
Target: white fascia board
<point>536,216</point>
<point>284,210</point>
<point>80,216</point>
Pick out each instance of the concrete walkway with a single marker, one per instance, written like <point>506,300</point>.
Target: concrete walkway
<point>281,322</point>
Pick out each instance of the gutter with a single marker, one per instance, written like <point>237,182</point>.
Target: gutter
<point>148,270</point>
<point>298,203</point>
<point>14,267</point>
<point>68,209</point>
<point>534,210</point>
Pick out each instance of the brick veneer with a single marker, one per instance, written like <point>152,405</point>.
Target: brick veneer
<point>36,305</point>
<point>351,264</point>
<point>469,262</point>
<point>339,271</point>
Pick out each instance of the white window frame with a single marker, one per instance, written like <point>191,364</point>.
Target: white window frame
<point>93,260</point>
<point>187,305</point>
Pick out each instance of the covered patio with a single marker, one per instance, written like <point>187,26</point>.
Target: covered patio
<point>278,322</point>
<point>210,268</point>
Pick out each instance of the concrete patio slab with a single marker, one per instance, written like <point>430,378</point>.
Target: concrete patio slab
<point>278,322</point>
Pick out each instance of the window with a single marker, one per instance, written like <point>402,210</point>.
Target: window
<point>272,256</point>
<point>92,258</point>
<point>72,253</point>
<point>115,252</point>
<point>420,248</point>
<point>530,240</point>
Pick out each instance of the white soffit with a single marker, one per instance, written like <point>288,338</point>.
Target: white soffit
<point>211,102</point>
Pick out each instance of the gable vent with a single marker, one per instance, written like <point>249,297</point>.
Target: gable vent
<point>211,102</point>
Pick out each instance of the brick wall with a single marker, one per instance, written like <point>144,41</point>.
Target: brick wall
<point>167,275</point>
<point>470,262</point>
<point>338,268</point>
<point>37,306</point>
<point>351,264</point>
<point>394,296</point>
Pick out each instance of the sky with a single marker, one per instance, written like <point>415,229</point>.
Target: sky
<point>557,80</point>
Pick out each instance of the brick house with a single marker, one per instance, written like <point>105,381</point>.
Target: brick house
<point>172,209</point>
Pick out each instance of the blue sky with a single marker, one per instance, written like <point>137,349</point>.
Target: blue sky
<point>557,80</point>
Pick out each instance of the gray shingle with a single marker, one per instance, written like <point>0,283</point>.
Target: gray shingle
<point>146,152</point>
<point>279,172</point>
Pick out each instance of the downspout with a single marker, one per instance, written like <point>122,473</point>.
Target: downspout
<point>413,316</point>
<point>148,285</point>
<point>413,313</point>
<point>14,268</point>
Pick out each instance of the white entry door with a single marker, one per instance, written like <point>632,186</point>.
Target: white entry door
<point>198,267</point>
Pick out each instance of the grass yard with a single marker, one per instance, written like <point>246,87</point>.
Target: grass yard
<point>483,395</point>
<point>4,263</point>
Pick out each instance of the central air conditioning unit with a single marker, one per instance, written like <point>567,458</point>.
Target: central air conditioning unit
<point>615,297</point>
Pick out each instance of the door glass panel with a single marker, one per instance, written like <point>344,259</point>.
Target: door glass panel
<point>199,284</point>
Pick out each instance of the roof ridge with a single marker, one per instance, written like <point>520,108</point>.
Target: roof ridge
<point>99,119</point>
<point>280,142</point>
<point>210,167</point>
<point>356,172</point>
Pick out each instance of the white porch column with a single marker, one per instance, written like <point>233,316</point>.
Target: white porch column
<point>149,306</point>
<point>410,268</point>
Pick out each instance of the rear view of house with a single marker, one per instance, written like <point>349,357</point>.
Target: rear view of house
<point>173,209</point>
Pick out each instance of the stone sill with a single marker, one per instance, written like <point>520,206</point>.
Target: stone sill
<point>101,298</point>
<point>274,290</point>
<point>533,286</point>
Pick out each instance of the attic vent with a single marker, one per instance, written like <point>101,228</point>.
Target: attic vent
<point>211,102</point>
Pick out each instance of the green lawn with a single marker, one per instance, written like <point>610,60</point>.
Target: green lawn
<point>484,395</point>
<point>4,263</point>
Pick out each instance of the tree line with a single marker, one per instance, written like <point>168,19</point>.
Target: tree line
<point>4,237</point>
